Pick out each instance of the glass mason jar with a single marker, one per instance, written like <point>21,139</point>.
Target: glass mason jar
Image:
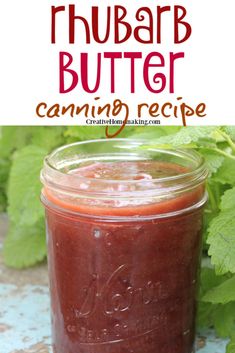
<point>124,226</point>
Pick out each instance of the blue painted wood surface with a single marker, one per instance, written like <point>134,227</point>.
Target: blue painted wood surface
<point>25,321</point>
<point>24,317</point>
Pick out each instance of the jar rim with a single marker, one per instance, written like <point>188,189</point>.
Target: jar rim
<point>189,154</point>
<point>89,194</point>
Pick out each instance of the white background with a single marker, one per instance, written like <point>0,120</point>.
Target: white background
<point>29,69</point>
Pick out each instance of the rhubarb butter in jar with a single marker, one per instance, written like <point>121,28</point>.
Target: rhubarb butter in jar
<point>124,231</point>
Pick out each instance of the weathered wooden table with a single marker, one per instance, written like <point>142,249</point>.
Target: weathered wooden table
<point>25,315</point>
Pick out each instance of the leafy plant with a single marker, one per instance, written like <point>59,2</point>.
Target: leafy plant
<point>22,150</point>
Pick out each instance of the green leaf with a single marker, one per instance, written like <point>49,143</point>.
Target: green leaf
<point>4,174</point>
<point>3,200</point>
<point>226,173</point>
<point>215,191</point>
<point>222,235</point>
<point>230,130</point>
<point>213,160</point>
<point>222,242</point>
<point>81,133</point>
<point>13,138</point>
<point>152,132</point>
<point>24,186</point>
<point>47,137</point>
<point>167,130</point>
<point>206,310</point>
<point>222,294</point>
<point>128,131</point>
<point>204,315</point>
<point>186,135</point>
<point>25,246</point>
<point>209,280</point>
<point>228,200</point>
<point>4,170</point>
<point>231,346</point>
<point>207,218</point>
<point>223,318</point>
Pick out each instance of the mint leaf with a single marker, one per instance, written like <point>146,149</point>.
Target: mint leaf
<point>4,173</point>
<point>222,294</point>
<point>230,130</point>
<point>231,346</point>
<point>48,138</point>
<point>228,200</point>
<point>24,186</point>
<point>215,191</point>
<point>174,136</point>
<point>209,280</point>
<point>213,160</point>
<point>222,235</point>
<point>13,138</point>
<point>82,133</point>
<point>206,310</point>
<point>152,132</point>
<point>223,318</point>
<point>204,315</point>
<point>226,173</point>
<point>186,135</point>
<point>165,130</point>
<point>3,200</point>
<point>25,246</point>
<point>222,242</point>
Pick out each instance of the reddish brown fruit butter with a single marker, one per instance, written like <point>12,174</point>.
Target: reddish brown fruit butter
<point>124,228</point>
